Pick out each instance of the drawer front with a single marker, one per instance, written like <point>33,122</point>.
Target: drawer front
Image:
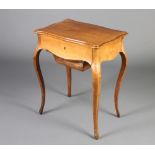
<point>65,49</point>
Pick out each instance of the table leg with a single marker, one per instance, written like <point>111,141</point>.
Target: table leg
<point>40,77</point>
<point>69,80</point>
<point>119,81</point>
<point>96,75</point>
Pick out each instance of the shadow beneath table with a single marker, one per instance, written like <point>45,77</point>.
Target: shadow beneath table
<point>63,123</point>
<point>15,101</point>
<point>83,97</point>
<point>136,125</point>
<point>141,109</point>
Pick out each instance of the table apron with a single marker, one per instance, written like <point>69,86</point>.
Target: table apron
<point>110,50</point>
<point>65,49</point>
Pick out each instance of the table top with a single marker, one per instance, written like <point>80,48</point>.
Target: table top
<point>82,33</point>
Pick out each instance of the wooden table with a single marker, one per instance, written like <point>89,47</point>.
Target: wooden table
<point>81,46</point>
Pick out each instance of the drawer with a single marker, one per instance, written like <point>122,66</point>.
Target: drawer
<point>65,49</point>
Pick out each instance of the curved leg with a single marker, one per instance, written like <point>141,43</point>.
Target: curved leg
<point>119,81</point>
<point>40,77</point>
<point>96,75</point>
<point>69,79</point>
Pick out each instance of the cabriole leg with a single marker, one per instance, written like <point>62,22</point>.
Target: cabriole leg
<point>119,81</point>
<point>40,77</point>
<point>96,76</point>
<point>69,80</point>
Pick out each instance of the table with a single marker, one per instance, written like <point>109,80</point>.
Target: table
<point>81,46</point>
